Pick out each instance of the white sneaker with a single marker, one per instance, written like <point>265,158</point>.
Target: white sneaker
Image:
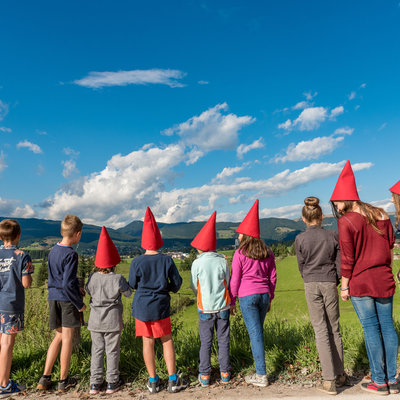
<point>257,380</point>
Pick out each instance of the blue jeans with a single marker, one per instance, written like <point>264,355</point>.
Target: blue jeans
<point>254,309</point>
<point>381,341</point>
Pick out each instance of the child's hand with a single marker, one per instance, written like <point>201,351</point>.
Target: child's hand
<point>83,308</point>
<point>232,310</point>
<point>83,293</point>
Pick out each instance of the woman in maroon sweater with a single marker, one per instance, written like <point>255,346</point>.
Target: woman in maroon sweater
<point>366,239</point>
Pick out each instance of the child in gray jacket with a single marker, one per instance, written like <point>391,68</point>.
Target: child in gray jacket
<point>105,321</point>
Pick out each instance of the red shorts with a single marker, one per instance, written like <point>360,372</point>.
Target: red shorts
<point>153,329</point>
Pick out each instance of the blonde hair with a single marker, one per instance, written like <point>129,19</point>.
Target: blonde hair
<point>70,225</point>
<point>396,201</point>
<point>311,210</point>
<point>9,230</point>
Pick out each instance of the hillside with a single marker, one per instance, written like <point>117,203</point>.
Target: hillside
<point>41,234</point>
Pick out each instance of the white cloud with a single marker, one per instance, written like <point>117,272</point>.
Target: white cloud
<point>386,204</point>
<point>3,110</point>
<point>243,149</point>
<point>336,112</point>
<point>227,172</point>
<point>310,149</point>
<point>363,85</point>
<point>383,126</point>
<point>5,130</point>
<point>301,105</point>
<point>309,95</point>
<point>352,95</point>
<point>169,77</point>
<point>203,82</point>
<point>344,131</point>
<point>310,118</point>
<point>34,148</point>
<point>285,125</point>
<point>70,152</point>
<point>211,130</point>
<point>42,133</point>
<point>13,208</point>
<point>3,164</point>
<point>356,107</point>
<point>69,168</point>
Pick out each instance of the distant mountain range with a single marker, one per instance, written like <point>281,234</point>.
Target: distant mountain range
<point>41,234</point>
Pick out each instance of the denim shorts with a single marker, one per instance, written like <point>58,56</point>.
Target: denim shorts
<point>11,323</point>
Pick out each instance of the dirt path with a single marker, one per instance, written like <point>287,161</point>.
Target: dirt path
<point>235,392</point>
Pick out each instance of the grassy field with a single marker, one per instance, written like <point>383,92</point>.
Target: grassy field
<point>289,338</point>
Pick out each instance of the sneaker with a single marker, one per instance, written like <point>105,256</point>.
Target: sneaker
<point>204,380</point>
<point>94,388</point>
<point>154,387</point>
<point>225,377</point>
<point>176,386</point>
<point>328,387</point>
<point>342,380</point>
<point>45,383</point>
<point>393,387</point>
<point>66,384</point>
<point>12,388</point>
<point>114,387</point>
<point>373,387</point>
<point>257,380</point>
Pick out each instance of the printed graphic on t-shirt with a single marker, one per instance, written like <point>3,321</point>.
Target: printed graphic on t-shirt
<point>6,263</point>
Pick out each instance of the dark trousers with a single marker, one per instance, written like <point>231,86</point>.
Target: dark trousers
<point>207,323</point>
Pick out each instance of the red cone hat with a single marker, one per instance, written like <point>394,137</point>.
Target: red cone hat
<point>251,224</point>
<point>107,254</point>
<point>206,239</point>
<point>345,188</point>
<point>396,188</point>
<point>151,236</point>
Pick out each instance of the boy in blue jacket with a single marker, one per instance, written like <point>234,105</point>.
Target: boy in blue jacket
<point>15,275</point>
<point>210,281</point>
<point>154,275</point>
<point>65,303</point>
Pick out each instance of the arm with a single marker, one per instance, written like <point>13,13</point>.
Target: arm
<point>175,280</point>
<point>300,257</point>
<point>272,276</point>
<point>27,271</point>
<point>124,287</point>
<point>347,249</point>
<point>236,277</point>
<point>337,260</point>
<point>227,274</point>
<point>70,282</point>
<point>193,277</point>
<point>344,290</point>
<point>27,281</point>
<point>133,278</point>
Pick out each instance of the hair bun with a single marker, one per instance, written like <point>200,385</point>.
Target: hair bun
<point>311,201</point>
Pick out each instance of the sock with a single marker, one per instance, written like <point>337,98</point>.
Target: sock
<point>155,379</point>
<point>3,387</point>
<point>172,377</point>
<point>64,380</point>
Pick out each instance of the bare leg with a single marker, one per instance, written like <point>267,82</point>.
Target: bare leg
<point>7,344</point>
<point>52,352</point>
<point>169,354</point>
<point>66,351</point>
<point>149,355</point>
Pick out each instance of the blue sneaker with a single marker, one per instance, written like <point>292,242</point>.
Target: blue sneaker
<point>225,377</point>
<point>204,380</point>
<point>12,388</point>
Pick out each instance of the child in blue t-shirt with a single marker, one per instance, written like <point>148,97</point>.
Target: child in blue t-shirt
<point>15,275</point>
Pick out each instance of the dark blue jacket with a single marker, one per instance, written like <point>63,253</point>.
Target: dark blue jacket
<point>62,283</point>
<point>153,277</point>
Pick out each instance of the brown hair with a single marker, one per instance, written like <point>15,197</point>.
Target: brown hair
<point>104,270</point>
<point>312,210</point>
<point>372,213</point>
<point>70,225</point>
<point>253,248</point>
<point>396,201</point>
<point>9,229</point>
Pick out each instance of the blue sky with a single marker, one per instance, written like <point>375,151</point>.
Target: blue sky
<point>190,106</point>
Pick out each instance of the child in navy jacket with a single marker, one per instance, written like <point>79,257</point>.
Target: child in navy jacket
<point>154,275</point>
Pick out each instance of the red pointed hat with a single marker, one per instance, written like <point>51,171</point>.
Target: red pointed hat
<point>251,224</point>
<point>107,254</point>
<point>151,236</point>
<point>345,188</point>
<point>395,188</point>
<point>206,239</point>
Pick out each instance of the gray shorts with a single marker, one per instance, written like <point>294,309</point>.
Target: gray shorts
<point>64,314</point>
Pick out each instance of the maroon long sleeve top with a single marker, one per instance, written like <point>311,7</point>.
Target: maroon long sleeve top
<point>366,255</point>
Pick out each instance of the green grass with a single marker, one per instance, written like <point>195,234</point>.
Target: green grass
<point>289,338</point>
